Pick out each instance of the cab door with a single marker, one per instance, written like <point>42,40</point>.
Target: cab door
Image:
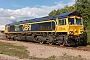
<point>62,25</point>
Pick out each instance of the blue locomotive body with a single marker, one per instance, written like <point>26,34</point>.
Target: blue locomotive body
<point>42,26</point>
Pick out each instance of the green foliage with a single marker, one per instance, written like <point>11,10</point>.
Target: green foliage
<point>52,13</point>
<point>79,56</point>
<point>64,54</point>
<point>83,7</point>
<point>63,10</point>
<point>51,58</point>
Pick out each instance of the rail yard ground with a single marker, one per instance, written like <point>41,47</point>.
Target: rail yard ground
<point>21,50</point>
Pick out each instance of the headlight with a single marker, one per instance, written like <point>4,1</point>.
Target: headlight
<point>82,32</point>
<point>71,32</point>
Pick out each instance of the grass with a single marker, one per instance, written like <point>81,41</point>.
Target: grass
<point>70,58</point>
<point>65,57</point>
<point>13,50</point>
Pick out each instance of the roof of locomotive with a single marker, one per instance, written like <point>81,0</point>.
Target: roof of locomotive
<point>63,15</point>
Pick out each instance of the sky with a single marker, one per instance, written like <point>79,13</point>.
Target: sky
<point>17,10</point>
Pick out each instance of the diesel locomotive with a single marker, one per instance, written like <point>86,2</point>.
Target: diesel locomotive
<point>63,29</point>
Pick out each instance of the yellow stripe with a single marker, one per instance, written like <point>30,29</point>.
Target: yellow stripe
<point>38,22</point>
<point>30,31</point>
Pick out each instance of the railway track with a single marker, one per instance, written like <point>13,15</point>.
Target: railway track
<point>84,48</point>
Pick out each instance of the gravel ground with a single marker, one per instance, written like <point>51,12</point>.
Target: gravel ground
<point>6,57</point>
<point>42,51</point>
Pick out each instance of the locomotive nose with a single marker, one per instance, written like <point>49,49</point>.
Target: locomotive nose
<point>75,30</point>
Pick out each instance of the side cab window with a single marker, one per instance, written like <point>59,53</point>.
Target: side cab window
<point>61,21</point>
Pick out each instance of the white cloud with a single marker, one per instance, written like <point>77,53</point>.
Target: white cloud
<point>12,17</point>
<point>8,15</point>
<point>71,3</point>
<point>16,5</point>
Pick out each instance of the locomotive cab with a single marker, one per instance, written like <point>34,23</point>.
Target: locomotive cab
<point>75,25</point>
<point>71,29</point>
<point>76,30</point>
<point>6,29</point>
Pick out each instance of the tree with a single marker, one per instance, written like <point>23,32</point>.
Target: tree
<point>62,10</point>
<point>83,7</point>
<point>52,13</point>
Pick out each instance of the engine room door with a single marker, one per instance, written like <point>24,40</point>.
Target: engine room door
<point>45,26</point>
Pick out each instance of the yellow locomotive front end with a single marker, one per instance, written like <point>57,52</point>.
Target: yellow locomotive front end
<point>75,24</point>
<point>72,25</point>
<point>76,30</point>
<point>72,29</point>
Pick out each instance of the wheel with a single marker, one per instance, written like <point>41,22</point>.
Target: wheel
<point>44,34</point>
<point>60,42</point>
<point>16,38</point>
<point>50,43</point>
<point>41,42</point>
